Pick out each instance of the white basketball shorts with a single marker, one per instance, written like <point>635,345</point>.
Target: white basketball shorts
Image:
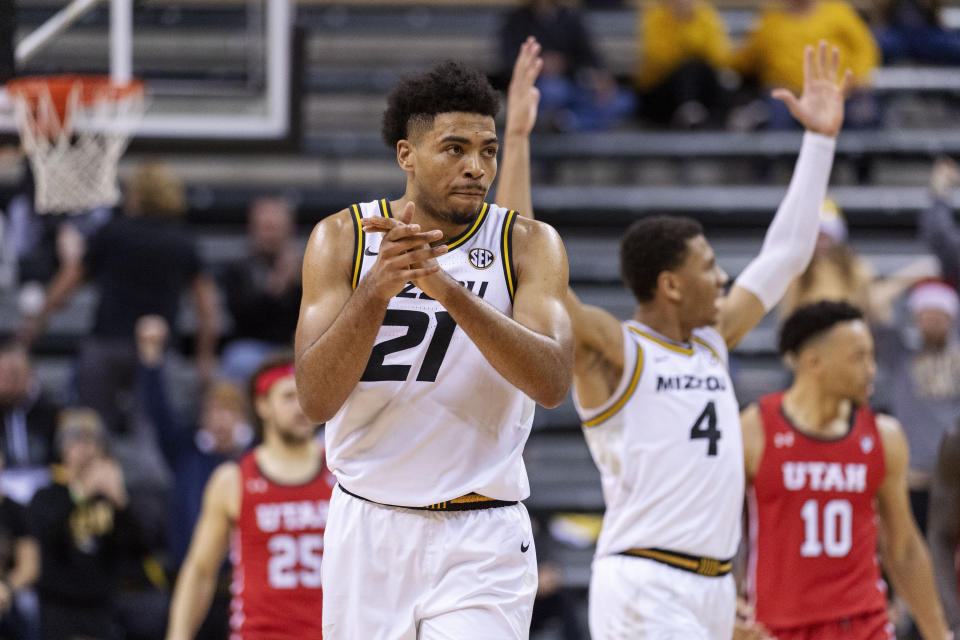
<point>403,574</point>
<point>640,599</point>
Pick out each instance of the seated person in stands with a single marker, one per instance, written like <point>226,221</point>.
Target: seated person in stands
<point>683,45</point>
<point>84,529</point>
<point>911,31</point>
<point>262,289</point>
<point>29,420</point>
<point>773,54</point>
<point>141,262</point>
<point>222,434</point>
<point>19,568</point>
<point>577,92</point>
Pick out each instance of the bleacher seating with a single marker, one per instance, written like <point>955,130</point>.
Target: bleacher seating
<point>589,186</point>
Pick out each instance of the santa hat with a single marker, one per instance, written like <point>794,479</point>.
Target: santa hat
<point>934,294</point>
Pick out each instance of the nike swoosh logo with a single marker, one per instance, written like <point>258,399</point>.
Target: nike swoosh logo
<point>367,252</point>
<point>524,547</point>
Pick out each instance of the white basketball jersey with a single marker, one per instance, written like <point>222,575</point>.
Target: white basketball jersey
<point>669,448</point>
<point>431,419</point>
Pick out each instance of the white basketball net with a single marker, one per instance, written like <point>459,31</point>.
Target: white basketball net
<point>75,162</point>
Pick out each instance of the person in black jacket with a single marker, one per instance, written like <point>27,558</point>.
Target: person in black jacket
<point>262,289</point>
<point>84,529</point>
<point>28,419</point>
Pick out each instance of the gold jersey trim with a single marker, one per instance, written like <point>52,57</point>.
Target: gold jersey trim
<point>622,400</point>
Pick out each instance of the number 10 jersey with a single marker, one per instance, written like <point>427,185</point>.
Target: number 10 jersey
<point>669,448</point>
<point>813,521</point>
<point>431,419</point>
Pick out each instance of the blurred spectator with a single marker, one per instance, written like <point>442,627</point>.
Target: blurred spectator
<point>835,272</point>
<point>683,45</point>
<point>192,454</point>
<point>29,422</point>
<point>773,54</point>
<point>19,568</point>
<point>922,358</point>
<point>576,92</point>
<point>141,262</point>
<point>222,433</point>
<point>911,32</point>
<point>262,289</point>
<point>943,534</point>
<point>83,527</point>
<point>937,226</point>
<point>921,362</point>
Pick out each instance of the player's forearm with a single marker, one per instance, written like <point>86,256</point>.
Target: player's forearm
<point>912,575</point>
<point>537,364</point>
<point>513,190</point>
<point>792,235</point>
<point>329,368</point>
<point>191,601</point>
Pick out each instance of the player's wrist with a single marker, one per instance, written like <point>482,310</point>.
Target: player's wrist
<point>825,140</point>
<point>372,296</point>
<point>517,134</point>
<point>441,287</point>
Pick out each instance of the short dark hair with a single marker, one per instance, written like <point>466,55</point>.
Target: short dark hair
<point>812,320</point>
<point>448,87</point>
<point>651,246</point>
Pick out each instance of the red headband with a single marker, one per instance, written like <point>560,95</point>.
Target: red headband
<point>270,377</point>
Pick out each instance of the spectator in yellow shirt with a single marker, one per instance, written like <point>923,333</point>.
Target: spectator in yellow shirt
<point>773,53</point>
<point>683,45</point>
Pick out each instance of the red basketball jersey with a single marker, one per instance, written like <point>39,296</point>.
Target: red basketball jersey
<point>813,530</point>
<point>276,552</point>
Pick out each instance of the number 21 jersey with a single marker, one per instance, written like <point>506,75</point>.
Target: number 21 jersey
<point>431,419</point>
<point>813,531</point>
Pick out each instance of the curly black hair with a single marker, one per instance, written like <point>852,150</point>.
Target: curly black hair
<point>812,320</point>
<point>450,86</point>
<point>651,246</point>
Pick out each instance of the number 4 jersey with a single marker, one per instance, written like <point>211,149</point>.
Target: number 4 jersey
<point>668,447</point>
<point>813,532</point>
<point>276,554</point>
<point>431,419</point>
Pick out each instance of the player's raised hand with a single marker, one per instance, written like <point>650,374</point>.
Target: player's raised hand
<point>523,97</point>
<point>820,106</point>
<point>405,253</point>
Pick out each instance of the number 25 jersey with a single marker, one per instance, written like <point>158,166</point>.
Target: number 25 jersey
<point>813,531</point>
<point>276,553</point>
<point>431,419</point>
<point>669,448</point>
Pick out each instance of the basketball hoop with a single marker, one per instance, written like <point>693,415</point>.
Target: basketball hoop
<point>74,130</point>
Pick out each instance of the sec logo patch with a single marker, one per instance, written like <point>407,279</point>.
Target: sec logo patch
<point>481,258</point>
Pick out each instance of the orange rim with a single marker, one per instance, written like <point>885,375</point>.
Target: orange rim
<point>91,89</point>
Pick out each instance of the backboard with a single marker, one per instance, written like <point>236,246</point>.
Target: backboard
<point>215,70</point>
